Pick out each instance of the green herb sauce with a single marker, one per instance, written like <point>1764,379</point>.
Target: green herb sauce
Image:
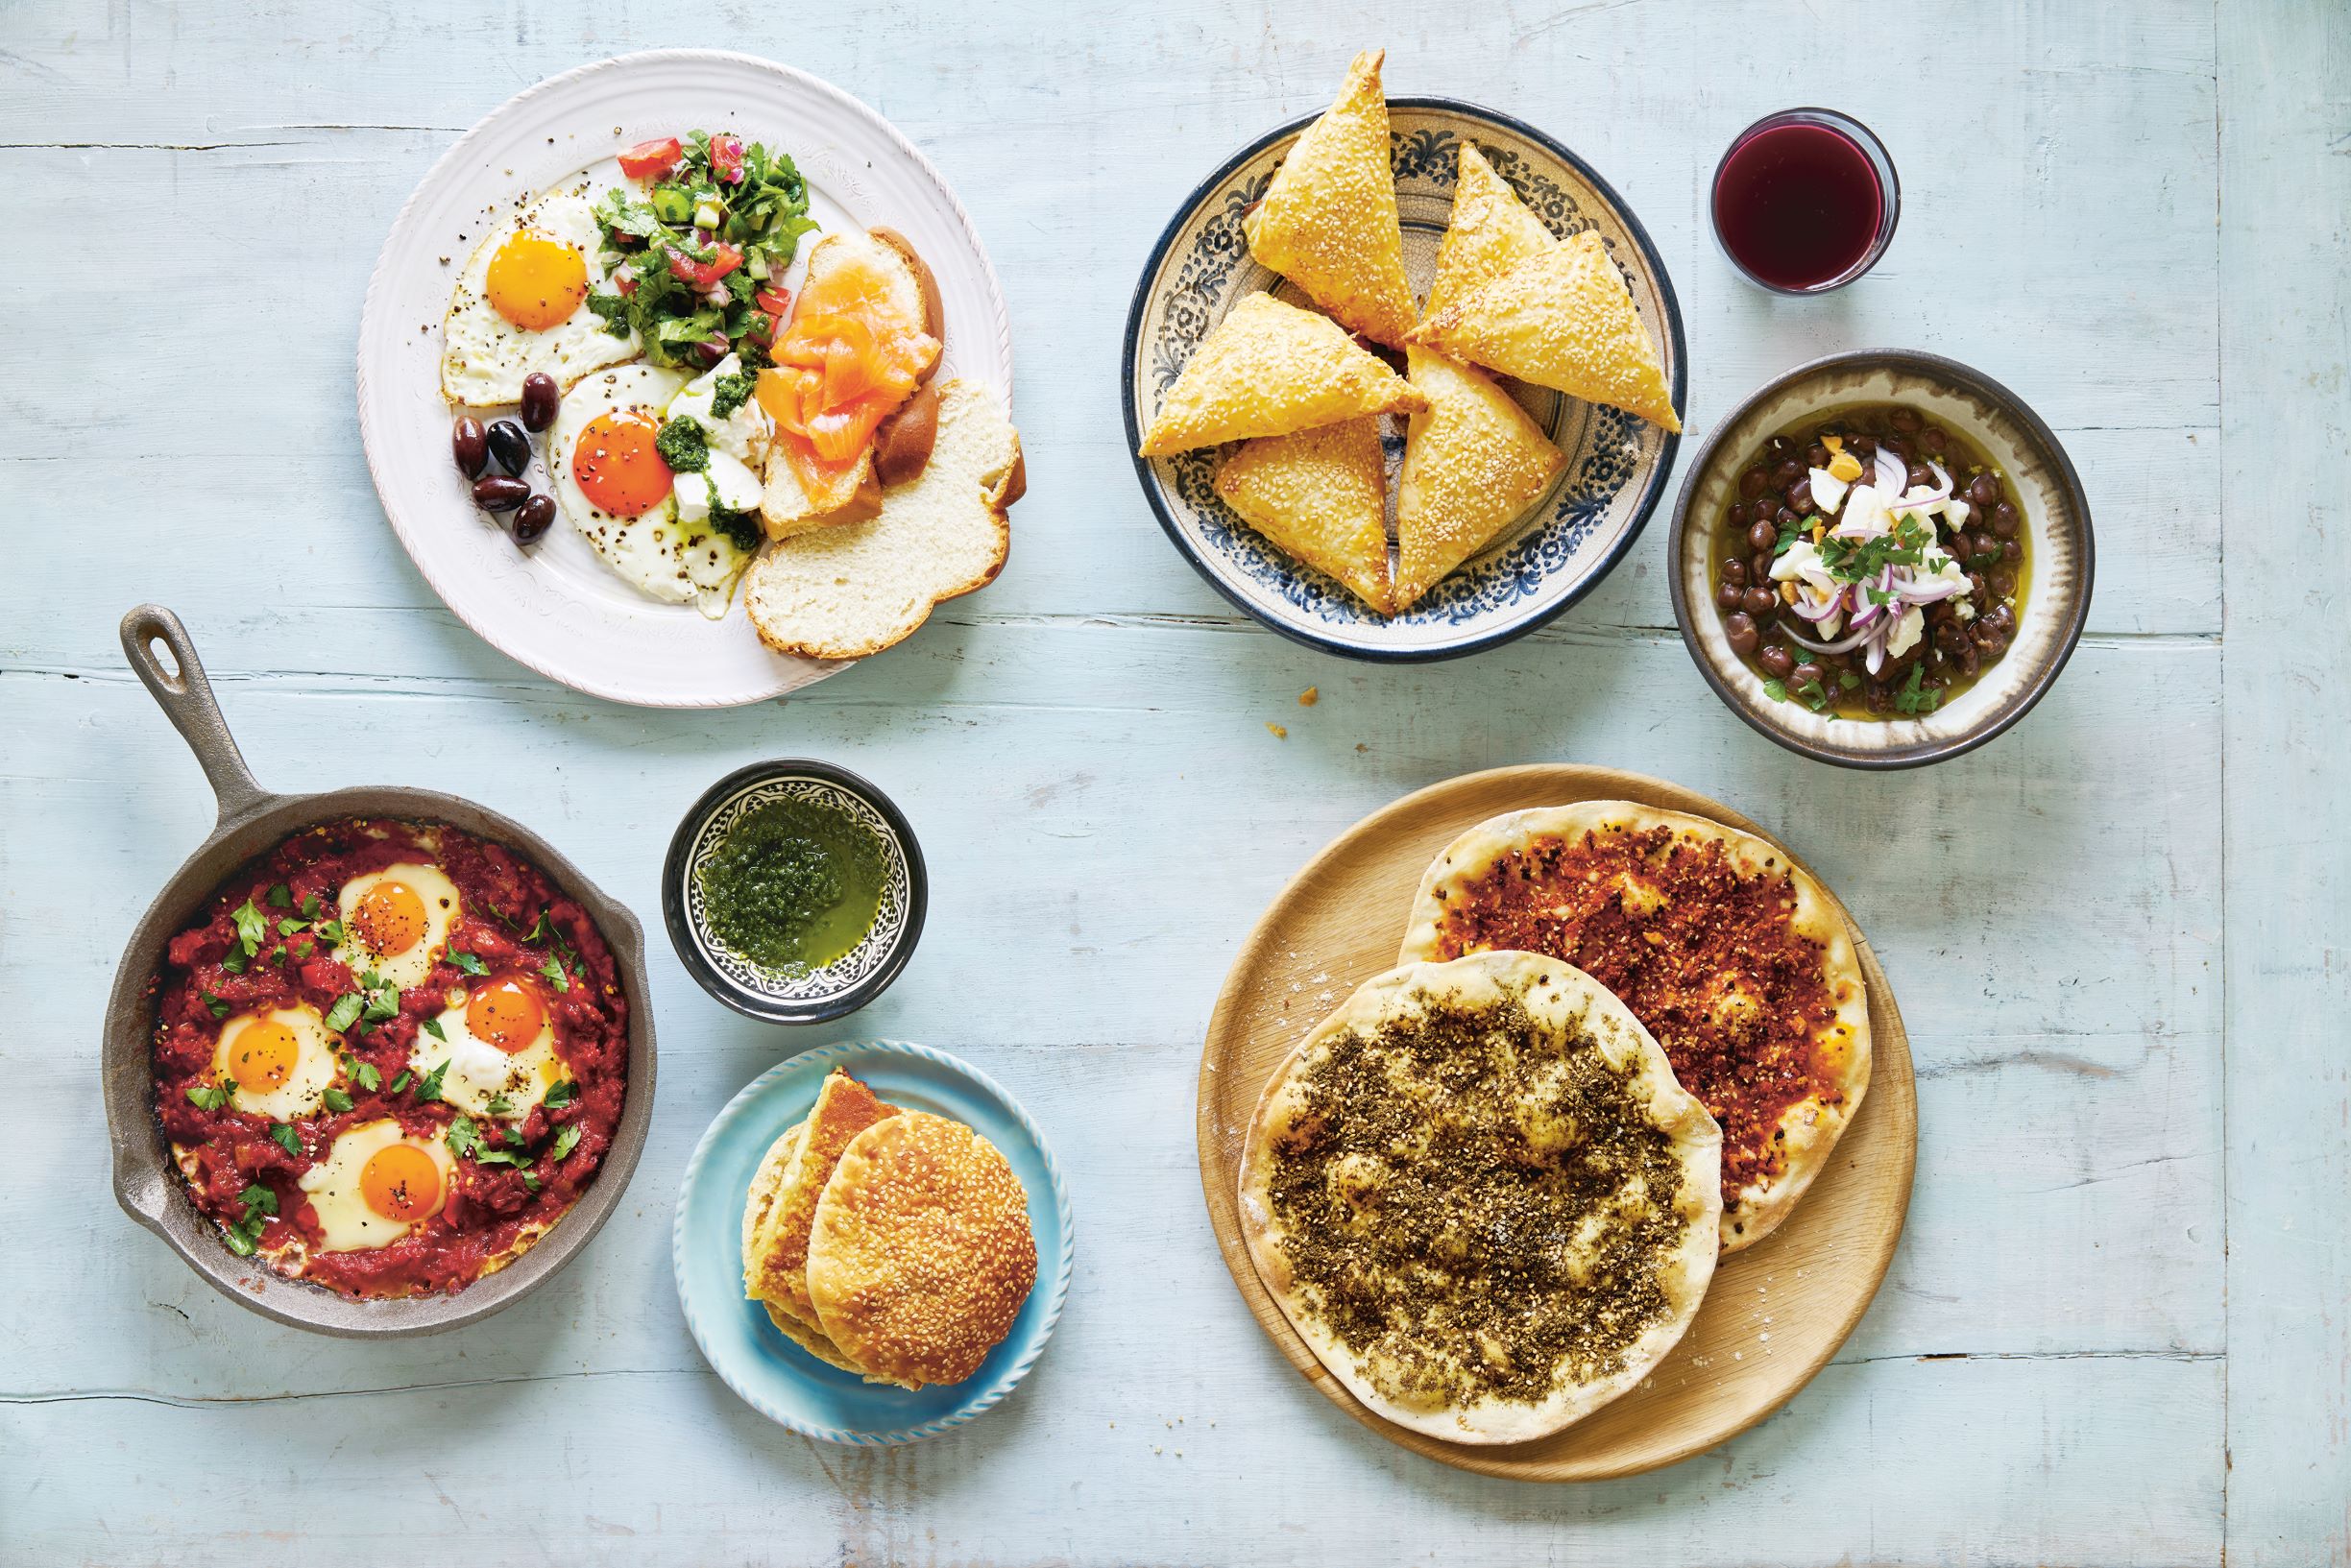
<point>794,884</point>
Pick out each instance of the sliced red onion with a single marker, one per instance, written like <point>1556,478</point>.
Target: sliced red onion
<point>1893,477</point>
<point>1875,658</point>
<point>1941,473</point>
<point>1932,590</point>
<point>1818,611</point>
<point>1843,644</point>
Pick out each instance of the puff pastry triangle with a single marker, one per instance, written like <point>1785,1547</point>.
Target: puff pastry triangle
<point>1490,232</point>
<point>1560,318</point>
<point>1472,465</point>
<point>1269,368</point>
<point>1321,495</point>
<point>1328,220</point>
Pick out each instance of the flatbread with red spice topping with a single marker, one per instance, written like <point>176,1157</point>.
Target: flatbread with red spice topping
<point>1731,956</point>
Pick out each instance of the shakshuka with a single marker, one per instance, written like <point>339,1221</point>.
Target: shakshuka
<point>388,1058</point>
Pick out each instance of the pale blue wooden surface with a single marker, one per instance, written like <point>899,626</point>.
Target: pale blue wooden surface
<point>2117,1330</point>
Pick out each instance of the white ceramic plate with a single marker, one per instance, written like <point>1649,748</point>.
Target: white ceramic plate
<point>555,607</point>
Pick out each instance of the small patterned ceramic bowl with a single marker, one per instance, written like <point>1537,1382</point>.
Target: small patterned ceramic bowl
<point>812,996</point>
<point>2040,479</point>
<point>1617,465</point>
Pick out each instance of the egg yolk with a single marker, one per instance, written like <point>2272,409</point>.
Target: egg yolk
<point>400,1182</point>
<point>263,1056</point>
<point>536,281</point>
<point>507,1014</point>
<point>390,917</point>
<point>618,467</point>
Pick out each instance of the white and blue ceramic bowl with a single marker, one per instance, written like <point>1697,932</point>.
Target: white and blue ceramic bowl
<point>774,1376</point>
<point>1617,465</point>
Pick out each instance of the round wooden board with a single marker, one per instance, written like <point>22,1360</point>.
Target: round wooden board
<point>1774,1313</point>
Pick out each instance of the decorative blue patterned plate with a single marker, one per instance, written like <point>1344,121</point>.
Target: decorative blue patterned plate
<point>774,1376</point>
<point>1617,465</point>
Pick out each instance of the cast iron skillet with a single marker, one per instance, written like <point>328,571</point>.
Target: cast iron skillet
<point>251,820</point>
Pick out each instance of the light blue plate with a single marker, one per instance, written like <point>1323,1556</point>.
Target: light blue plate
<point>777,1378</point>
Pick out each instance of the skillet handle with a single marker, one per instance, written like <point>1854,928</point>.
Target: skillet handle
<point>186,699</point>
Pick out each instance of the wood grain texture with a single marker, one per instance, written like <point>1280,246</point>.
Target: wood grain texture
<point>1774,1315</point>
<point>1084,750</point>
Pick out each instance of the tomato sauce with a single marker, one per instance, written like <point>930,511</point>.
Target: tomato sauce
<point>514,921</point>
<point>1706,955</point>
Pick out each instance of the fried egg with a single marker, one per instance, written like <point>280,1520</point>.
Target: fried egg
<point>277,1064</point>
<point>521,303</point>
<point>498,1045</point>
<point>396,921</point>
<point>613,483</point>
<point>376,1184</point>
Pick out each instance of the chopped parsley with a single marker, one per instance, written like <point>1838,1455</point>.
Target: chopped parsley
<point>401,1082</point>
<point>383,1000</point>
<point>215,1006</point>
<point>365,1074</point>
<point>251,926</point>
<point>683,444</point>
<point>562,1094</point>
<point>554,972</point>
<point>337,1101</point>
<point>330,931</point>
<point>499,1105</point>
<point>432,1027</point>
<point>288,926</point>
<point>466,963</point>
<point>345,1012</point>
<point>464,1138</point>
<point>282,896</point>
<point>566,1141</point>
<point>209,1096</point>
<point>1916,697</point>
<point>245,1236</point>
<point>1791,532</point>
<point>287,1138</point>
<point>428,1087</point>
<point>309,906</point>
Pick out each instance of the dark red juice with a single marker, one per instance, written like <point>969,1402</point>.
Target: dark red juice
<point>1798,205</point>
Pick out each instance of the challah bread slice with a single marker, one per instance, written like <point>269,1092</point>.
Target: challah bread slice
<point>847,591</point>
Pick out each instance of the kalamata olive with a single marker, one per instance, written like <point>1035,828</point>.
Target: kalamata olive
<point>1970,661</point>
<point>1752,483</point>
<point>1931,441</point>
<point>1734,573</point>
<point>1775,661</point>
<point>1905,419</point>
<point>537,516</point>
<point>2005,520</point>
<point>496,492</point>
<point>1807,674</point>
<point>1864,448</point>
<point>2002,581</point>
<point>1740,629</point>
<point>1729,596</point>
<point>540,398</point>
<point>2003,616</point>
<point>1976,590</point>
<point>1777,447</point>
<point>1921,474</point>
<point>467,445</point>
<point>1982,544</point>
<point>1988,637</point>
<point>1786,473</point>
<point>1880,696</point>
<point>1950,634</point>
<point>1899,447</point>
<point>509,447</point>
<point>1760,566</point>
<point>711,350</point>
<point>2012,552</point>
<point>1818,456</point>
<point>1800,496</point>
<point>1983,491</point>
<point>1762,536</point>
<point>1762,602</point>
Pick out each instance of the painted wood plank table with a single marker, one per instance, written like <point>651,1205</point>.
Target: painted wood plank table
<point>2117,1328</point>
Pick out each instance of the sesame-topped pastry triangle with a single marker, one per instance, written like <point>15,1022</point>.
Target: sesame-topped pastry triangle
<point>1328,220</point>
<point>1560,318</point>
<point>1490,232</point>
<point>1321,495</point>
<point>1269,368</point>
<point>1472,465</point>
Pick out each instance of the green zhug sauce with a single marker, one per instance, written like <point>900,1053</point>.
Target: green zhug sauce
<point>794,884</point>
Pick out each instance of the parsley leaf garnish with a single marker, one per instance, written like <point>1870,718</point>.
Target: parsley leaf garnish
<point>345,1012</point>
<point>330,931</point>
<point>365,1074</point>
<point>337,1101</point>
<point>466,963</point>
<point>309,906</point>
<point>287,1138</point>
<point>401,1082</point>
<point>554,972</point>
<point>502,1156</point>
<point>288,926</point>
<point>215,1006</point>
<point>282,896</point>
<point>562,1094</point>
<point>1915,697</point>
<point>428,1087</point>
<point>432,1027</point>
<point>251,926</point>
<point>245,1235</point>
<point>464,1138</point>
<point>499,1105</point>
<point>1776,690</point>
<point>566,1141</point>
<point>208,1097</point>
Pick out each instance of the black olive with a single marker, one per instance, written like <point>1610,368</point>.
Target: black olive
<point>510,447</point>
<point>496,492</point>
<point>537,516</point>
<point>540,398</point>
<point>466,446</point>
